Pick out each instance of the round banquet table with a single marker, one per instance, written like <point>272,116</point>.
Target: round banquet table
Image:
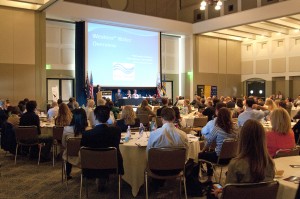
<point>135,159</point>
<point>287,190</point>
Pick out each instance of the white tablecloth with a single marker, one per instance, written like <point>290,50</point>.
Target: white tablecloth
<point>294,112</point>
<point>135,161</point>
<point>287,190</point>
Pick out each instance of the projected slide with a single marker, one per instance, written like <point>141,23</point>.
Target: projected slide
<point>122,57</point>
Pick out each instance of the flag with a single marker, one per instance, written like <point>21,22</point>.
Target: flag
<point>87,86</point>
<point>163,89</point>
<point>91,87</point>
<point>158,86</point>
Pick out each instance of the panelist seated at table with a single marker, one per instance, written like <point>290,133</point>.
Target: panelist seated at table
<point>281,136</point>
<point>103,136</point>
<point>128,119</point>
<point>135,95</point>
<point>253,163</point>
<point>145,109</point>
<point>128,95</point>
<point>76,128</point>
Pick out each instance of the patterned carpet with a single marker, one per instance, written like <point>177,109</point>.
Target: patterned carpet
<point>28,180</point>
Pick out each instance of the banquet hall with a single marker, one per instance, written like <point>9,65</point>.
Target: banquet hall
<point>243,48</point>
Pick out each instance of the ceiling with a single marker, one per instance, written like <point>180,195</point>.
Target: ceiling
<point>265,29</point>
<point>27,4</point>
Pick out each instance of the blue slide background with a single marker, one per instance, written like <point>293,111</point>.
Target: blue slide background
<point>135,53</point>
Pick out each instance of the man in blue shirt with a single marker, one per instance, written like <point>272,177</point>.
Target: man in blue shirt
<point>250,113</point>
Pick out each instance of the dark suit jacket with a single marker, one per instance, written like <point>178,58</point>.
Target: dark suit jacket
<point>103,136</point>
<point>158,111</point>
<point>30,119</point>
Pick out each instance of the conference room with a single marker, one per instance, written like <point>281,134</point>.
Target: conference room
<point>160,48</point>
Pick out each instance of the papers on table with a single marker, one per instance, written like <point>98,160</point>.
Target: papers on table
<point>143,141</point>
<point>293,179</point>
<point>192,138</point>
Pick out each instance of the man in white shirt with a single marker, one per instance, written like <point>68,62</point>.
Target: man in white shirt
<point>53,112</point>
<point>168,135</point>
<point>135,95</point>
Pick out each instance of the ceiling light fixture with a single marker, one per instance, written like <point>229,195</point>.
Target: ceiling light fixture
<point>218,4</point>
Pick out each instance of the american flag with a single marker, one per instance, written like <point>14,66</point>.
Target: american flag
<point>87,86</point>
<point>91,87</point>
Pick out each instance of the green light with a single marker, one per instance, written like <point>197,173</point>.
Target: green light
<point>48,66</point>
<point>190,74</point>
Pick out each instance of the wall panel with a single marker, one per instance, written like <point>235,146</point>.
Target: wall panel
<point>262,66</point>
<point>278,65</point>
<point>6,36</point>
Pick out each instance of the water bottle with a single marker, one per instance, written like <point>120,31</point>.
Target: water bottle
<point>128,134</point>
<point>141,130</point>
<point>152,126</point>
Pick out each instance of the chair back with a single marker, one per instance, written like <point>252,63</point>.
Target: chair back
<point>158,121</point>
<point>229,149</point>
<point>26,133</point>
<point>166,158</point>
<point>99,158</point>
<point>144,118</point>
<point>200,121</point>
<point>73,146</point>
<point>58,133</point>
<point>260,190</point>
<point>286,152</point>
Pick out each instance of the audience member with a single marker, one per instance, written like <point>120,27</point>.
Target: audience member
<point>230,103</point>
<point>76,128</point>
<point>14,116</point>
<point>64,116</point>
<point>165,103</point>
<point>128,119</point>
<point>118,96</point>
<point>30,118</point>
<point>71,103</point>
<point>113,109</point>
<point>281,136</point>
<point>145,109</point>
<point>53,112</point>
<point>179,121</point>
<point>186,106</point>
<point>102,136</point>
<point>207,129</point>
<point>289,105</point>
<point>224,129</point>
<point>89,111</point>
<point>210,109</point>
<point>249,113</point>
<point>253,163</point>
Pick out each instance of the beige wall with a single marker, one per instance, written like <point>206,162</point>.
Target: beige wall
<point>218,63</point>
<point>21,55</point>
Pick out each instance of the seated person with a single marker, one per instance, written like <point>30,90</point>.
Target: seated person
<point>128,119</point>
<point>111,120</point>
<point>53,112</point>
<point>102,136</point>
<point>76,128</point>
<point>145,109</point>
<point>179,121</point>
<point>128,94</point>
<point>281,136</point>
<point>135,95</point>
<point>165,103</point>
<point>30,118</point>
<point>253,163</point>
<point>224,129</point>
<point>64,116</point>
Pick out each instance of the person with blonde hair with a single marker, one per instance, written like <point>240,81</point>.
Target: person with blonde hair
<point>253,163</point>
<point>281,136</point>
<point>187,107</point>
<point>64,116</point>
<point>128,119</point>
